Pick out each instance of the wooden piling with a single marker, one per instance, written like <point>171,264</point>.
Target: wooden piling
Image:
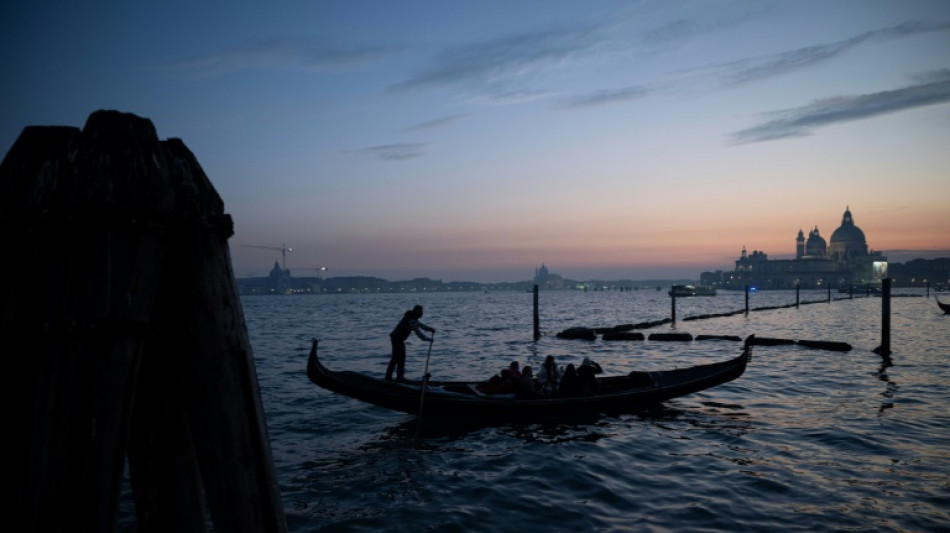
<point>885,349</point>
<point>798,291</point>
<point>124,338</point>
<point>537,319</point>
<point>673,304</point>
<point>746,299</point>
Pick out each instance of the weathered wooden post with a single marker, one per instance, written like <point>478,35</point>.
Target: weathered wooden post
<point>746,299</point>
<point>123,337</point>
<point>673,303</point>
<point>885,317</point>
<point>829,293</point>
<point>798,290</point>
<point>537,320</point>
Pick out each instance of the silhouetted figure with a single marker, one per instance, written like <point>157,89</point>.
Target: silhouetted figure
<point>586,382</point>
<point>569,383</point>
<point>593,364</point>
<point>549,376</point>
<point>526,386</point>
<point>409,324</point>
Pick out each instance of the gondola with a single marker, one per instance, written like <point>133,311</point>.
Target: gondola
<point>463,399</point>
<point>943,306</point>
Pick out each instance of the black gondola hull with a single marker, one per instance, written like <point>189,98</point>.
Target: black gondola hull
<point>460,399</point>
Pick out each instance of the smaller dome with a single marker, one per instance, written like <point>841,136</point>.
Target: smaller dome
<point>815,245</point>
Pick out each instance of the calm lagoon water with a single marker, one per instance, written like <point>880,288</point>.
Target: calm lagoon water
<point>806,440</point>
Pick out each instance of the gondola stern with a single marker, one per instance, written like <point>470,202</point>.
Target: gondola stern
<point>313,363</point>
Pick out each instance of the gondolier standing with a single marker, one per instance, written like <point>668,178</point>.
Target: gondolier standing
<point>409,324</point>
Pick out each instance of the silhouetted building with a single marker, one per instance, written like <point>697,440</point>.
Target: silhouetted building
<point>844,261</point>
<point>546,280</point>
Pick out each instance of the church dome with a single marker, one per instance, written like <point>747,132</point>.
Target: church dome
<point>815,245</point>
<point>848,232</point>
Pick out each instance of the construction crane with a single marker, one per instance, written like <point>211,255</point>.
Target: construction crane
<point>283,251</point>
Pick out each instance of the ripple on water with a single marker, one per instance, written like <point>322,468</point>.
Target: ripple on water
<point>806,440</point>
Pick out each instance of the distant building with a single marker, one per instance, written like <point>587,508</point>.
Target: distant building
<point>844,261</point>
<point>546,280</point>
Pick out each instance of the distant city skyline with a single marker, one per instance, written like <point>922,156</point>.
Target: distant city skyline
<point>476,141</point>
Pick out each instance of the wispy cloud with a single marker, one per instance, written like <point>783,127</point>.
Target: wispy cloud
<point>273,54</point>
<point>932,88</point>
<point>600,98</point>
<point>759,68</point>
<point>393,152</point>
<point>438,123</point>
<point>494,62</point>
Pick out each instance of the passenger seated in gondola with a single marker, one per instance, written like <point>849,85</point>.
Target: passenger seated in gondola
<point>593,364</point>
<point>498,384</point>
<point>526,386</point>
<point>586,382</point>
<point>570,386</point>
<point>505,382</point>
<point>513,370</point>
<point>549,377</point>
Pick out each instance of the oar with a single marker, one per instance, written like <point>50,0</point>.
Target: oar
<point>425,380</point>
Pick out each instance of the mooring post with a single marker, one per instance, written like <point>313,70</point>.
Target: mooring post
<point>537,319</point>
<point>928,289</point>
<point>673,303</point>
<point>886,317</point>
<point>746,299</point>
<point>798,290</point>
<point>829,293</point>
<point>123,339</point>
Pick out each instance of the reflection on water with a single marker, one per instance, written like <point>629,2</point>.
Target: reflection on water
<point>805,440</point>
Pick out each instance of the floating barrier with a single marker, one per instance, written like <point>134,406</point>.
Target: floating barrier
<point>586,334</point>
<point>670,337</point>
<point>826,345</point>
<point>735,338</point>
<point>769,341</point>
<point>623,336</point>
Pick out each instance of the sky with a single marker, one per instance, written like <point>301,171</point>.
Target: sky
<point>475,141</point>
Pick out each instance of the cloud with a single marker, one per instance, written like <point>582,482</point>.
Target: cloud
<point>600,98</point>
<point>393,152</point>
<point>755,69</point>
<point>438,123</point>
<point>497,61</point>
<point>933,88</point>
<point>287,54</point>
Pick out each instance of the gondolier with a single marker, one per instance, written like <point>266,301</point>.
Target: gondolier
<point>409,324</point>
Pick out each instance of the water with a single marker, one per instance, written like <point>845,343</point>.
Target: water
<point>806,440</point>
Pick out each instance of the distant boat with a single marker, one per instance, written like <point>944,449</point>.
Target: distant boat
<point>860,289</point>
<point>692,290</point>
<point>943,306</point>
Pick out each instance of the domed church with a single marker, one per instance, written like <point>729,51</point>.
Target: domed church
<point>848,240</point>
<point>844,261</point>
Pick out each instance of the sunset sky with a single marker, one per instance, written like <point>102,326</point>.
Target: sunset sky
<point>477,140</point>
